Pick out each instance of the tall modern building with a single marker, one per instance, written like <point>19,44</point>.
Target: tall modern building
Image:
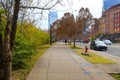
<point>109,3</point>
<point>52,17</point>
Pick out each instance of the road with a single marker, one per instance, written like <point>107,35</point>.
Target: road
<point>113,49</point>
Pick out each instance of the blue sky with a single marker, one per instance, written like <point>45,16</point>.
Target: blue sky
<point>73,6</point>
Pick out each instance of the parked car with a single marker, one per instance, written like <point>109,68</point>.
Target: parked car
<point>81,41</point>
<point>107,42</point>
<point>85,41</point>
<point>98,45</point>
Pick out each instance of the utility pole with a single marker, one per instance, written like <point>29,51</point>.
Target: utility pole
<point>50,35</point>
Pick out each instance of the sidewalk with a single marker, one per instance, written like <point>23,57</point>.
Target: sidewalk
<point>109,68</point>
<point>62,63</point>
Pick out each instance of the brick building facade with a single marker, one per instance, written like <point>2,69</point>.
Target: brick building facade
<point>116,18</point>
<point>110,21</point>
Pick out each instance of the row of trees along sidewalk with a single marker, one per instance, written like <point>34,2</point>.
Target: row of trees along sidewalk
<point>10,10</point>
<point>70,28</point>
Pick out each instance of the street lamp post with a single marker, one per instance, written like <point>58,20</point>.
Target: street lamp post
<point>52,16</point>
<point>50,35</point>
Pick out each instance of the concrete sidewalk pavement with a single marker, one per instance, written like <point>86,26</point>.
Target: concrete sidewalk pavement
<point>62,63</point>
<point>109,68</point>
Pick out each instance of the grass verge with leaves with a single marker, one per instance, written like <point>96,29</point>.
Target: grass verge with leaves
<point>116,76</point>
<point>93,58</point>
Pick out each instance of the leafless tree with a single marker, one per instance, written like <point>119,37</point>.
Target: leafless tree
<point>83,20</point>
<point>66,28</point>
<point>71,28</point>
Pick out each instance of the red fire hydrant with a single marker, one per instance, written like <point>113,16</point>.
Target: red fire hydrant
<point>86,49</point>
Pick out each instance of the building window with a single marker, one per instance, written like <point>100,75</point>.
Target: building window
<point>117,24</point>
<point>115,29</point>
<point>115,20</point>
<point>118,10</point>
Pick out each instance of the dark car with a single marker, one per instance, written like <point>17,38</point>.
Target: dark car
<point>98,45</point>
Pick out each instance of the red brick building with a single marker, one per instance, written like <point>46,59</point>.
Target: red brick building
<point>102,25</point>
<point>116,18</point>
<point>110,21</point>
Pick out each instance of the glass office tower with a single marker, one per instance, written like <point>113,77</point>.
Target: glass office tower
<point>109,3</point>
<point>52,16</point>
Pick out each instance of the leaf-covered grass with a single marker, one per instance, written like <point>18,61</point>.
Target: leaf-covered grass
<point>93,58</point>
<point>21,74</point>
<point>116,76</point>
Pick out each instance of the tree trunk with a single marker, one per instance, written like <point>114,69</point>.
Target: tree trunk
<point>74,43</point>
<point>6,57</point>
<point>8,46</point>
<point>1,45</point>
<point>14,24</point>
<point>1,40</point>
<point>1,53</point>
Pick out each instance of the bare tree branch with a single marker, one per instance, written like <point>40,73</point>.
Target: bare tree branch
<point>43,8</point>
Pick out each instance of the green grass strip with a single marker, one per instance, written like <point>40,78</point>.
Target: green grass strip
<point>93,58</point>
<point>116,76</point>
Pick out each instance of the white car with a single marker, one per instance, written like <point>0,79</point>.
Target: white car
<point>107,42</point>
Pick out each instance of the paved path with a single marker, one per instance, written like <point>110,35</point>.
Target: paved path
<point>109,68</point>
<point>61,63</point>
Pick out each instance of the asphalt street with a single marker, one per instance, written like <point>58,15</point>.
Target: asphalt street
<point>113,50</point>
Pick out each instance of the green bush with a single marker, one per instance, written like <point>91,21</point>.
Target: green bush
<point>28,39</point>
<point>23,51</point>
